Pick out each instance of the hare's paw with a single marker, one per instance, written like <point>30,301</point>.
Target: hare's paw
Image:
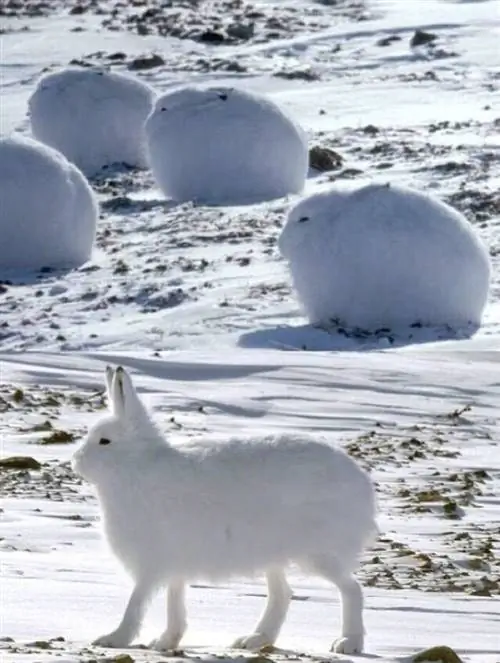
<point>254,642</point>
<point>348,644</point>
<point>115,639</point>
<point>168,641</point>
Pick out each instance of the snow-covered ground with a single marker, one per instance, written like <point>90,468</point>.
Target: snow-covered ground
<point>198,302</point>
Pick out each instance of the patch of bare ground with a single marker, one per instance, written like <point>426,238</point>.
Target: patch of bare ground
<point>217,23</point>
<point>419,468</point>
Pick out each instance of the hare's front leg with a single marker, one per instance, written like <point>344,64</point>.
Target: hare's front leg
<point>176,618</point>
<point>267,630</point>
<point>131,622</point>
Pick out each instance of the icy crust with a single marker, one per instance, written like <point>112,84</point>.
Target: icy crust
<point>385,256</point>
<point>224,146</point>
<point>48,212</point>
<point>94,117</point>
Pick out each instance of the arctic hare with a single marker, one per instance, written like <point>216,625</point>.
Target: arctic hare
<point>174,514</point>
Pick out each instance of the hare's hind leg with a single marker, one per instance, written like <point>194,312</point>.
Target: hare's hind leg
<point>267,630</point>
<point>351,640</point>
<point>176,618</point>
<point>130,624</point>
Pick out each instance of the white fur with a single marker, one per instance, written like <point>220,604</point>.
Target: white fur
<point>93,116</point>
<point>48,212</point>
<point>216,509</point>
<point>224,146</point>
<point>381,255</point>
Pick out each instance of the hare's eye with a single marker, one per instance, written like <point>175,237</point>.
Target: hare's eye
<point>104,440</point>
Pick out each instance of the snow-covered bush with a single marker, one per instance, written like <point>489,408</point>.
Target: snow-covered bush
<point>224,146</point>
<point>48,212</point>
<point>94,117</point>
<point>385,256</point>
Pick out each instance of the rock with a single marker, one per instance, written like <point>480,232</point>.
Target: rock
<point>241,31</point>
<point>39,644</point>
<point>440,654</point>
<point>19,463</point>
<point>387,41</point>
<point>420,38</point>
<point>122,658</point>
<point>212,37</point>
<point>146,62</point>
<point>77,10</point>
<point>371,130</point>
<point>324,159</point>
<point>117,56</point>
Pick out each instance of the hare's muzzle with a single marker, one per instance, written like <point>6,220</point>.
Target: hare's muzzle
<point>76,461</point>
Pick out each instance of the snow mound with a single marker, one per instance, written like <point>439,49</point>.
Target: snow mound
<point>385,256</point>
<point>94,117</point>
<point>224,146</point>
<point>48,212</point>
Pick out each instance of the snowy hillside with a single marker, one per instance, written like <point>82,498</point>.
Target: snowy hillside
<point>198,303</point>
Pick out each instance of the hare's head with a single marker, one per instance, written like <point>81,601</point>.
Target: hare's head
<point>117,437</point>
<point>310,222</point>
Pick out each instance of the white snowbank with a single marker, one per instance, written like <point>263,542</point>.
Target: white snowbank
<point>94,117</point>
<point>385,256</point>
<point>48,212</point>
<point>224,146</point>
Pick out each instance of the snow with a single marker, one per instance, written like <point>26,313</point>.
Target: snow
<point>385,256</point>
<point>93,116</point>
<point>48,213</point>
<point>224,146</point>
<point>197,303</point>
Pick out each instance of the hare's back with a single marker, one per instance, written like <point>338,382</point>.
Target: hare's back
<point>282,497</point>
<point>299,468</point>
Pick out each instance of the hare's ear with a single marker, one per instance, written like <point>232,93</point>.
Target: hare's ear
<point>125,400</point>
<point>109,382</point>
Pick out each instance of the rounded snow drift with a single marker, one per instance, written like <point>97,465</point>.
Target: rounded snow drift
<point>223,146</point>
<point>385,256</point>
<point>48,212</point>
<point>94,117</point>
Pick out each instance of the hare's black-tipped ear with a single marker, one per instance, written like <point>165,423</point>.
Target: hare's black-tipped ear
<point>109,381</point>
<point>126,401</point>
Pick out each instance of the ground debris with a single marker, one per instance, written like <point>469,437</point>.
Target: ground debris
<point>53,481</point>
<point>218,23</point>
<point>58,437</point>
